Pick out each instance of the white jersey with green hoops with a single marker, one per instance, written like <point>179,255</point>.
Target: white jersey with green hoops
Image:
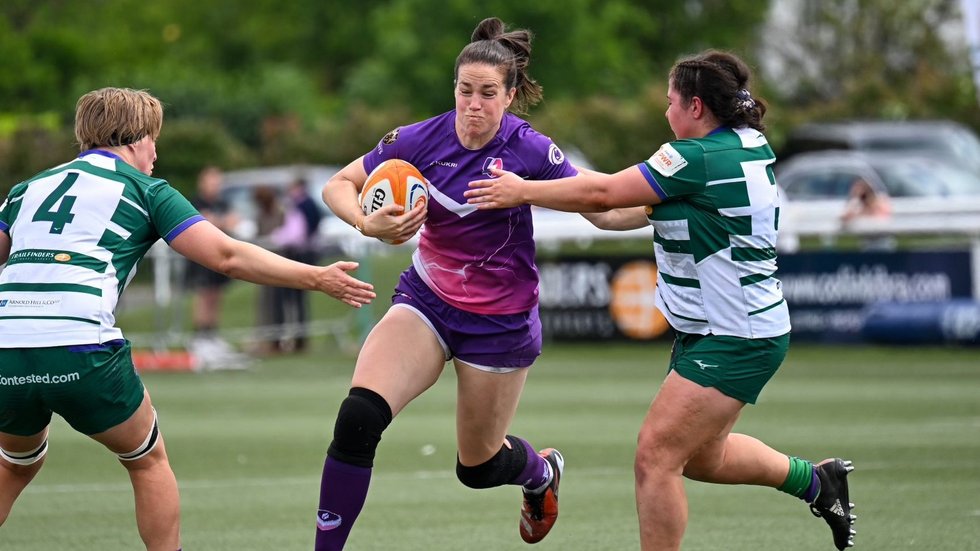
<point>77,232</point>
<point>715,235</point>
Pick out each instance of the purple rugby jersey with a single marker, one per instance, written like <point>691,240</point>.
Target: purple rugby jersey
<point>478,261</point>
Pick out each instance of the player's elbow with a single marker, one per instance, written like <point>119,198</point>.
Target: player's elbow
<point>227,259</point>
<point>599,197</point>
<point>604,223</point>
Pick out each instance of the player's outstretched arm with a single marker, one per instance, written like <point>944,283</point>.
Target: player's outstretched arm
<point>630,218</point>
<point>588,191</point>
<point>207,245</point>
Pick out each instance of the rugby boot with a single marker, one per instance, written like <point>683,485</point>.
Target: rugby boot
<point>832,504</point>
<point>540,510</point>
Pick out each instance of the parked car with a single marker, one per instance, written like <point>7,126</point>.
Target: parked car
<point>944,141</point>
<point>831,174</point>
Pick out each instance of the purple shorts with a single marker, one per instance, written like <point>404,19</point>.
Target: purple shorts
<point>488,342</point>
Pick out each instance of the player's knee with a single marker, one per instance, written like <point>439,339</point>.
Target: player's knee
<point>502,468</point>
<point>363,416</point>
<point>705,466</point>
<point>144,449</point>
<point>24,463</point>
<point>655,462</point>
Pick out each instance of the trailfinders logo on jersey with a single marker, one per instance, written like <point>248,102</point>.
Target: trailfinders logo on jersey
<point>39,256</point>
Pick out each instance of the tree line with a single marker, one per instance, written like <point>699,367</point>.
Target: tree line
<point>320,81</point>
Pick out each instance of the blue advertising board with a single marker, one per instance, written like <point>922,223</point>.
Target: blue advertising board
<point>830,294</point>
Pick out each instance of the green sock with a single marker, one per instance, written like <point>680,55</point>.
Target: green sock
<point>799,478</point>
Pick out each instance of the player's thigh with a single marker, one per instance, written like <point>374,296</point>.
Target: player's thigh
<point>21,444</point>
<point>400,359</point>
<point>93,387</point>
<point>102,390</point>
<point>23,412</point>
<point>132,433</point>
<point>683,418</point>
<point>738,367</point>
<point>486,403</point>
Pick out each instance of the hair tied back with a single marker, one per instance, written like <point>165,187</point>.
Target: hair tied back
<point>744,101</point>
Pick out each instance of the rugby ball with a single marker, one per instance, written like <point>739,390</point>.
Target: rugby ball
<point>394,182</point>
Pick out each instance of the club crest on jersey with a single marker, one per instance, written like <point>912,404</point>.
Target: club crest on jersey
<point>492,162</point>
<point>387,139</point>
<point>555,155</point>
<point>390,137</point>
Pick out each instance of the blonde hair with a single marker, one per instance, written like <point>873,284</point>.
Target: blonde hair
<point>112,117</point>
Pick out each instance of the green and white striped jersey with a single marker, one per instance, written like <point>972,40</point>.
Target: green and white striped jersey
<point>77,232</point>
<point>715,235</point>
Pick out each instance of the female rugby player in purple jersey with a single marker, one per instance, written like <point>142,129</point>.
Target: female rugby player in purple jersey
<point>470,295</point>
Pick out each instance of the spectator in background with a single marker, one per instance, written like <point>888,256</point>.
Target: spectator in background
<point>869,202</point>
<point>269,218</point>
<point>207,285</point>
<point>865,200</point>
<point>297,240</point>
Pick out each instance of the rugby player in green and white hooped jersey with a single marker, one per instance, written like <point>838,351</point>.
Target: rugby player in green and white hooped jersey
<point>713,203</point>
<point>71,237</point>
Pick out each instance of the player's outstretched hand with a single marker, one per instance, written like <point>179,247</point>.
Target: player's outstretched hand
<point>336,282</point>
<point>505,190</point>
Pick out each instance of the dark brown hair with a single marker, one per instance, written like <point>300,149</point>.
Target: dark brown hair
<point>492,44</point>
<point>721,80</point>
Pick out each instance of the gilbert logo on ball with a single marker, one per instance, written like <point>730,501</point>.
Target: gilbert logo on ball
<point>394,182</point>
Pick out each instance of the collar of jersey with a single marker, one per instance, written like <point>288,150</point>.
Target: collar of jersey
<point>102,152</point>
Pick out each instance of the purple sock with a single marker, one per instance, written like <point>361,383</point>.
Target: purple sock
<point>536,471</point>
<point>343,489</point>
<point>814,490</point>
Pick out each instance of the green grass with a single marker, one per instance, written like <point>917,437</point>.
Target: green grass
<point>247,448</point>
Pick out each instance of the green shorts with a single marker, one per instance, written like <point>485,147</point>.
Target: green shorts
<point>736,366</point>
<point>94,387</point>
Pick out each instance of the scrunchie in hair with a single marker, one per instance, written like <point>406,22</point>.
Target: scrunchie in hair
<point>743,100</point>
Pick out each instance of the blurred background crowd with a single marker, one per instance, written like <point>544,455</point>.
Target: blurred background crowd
<point>873,113</point>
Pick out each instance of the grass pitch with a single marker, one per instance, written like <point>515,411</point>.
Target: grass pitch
<point>247,448</point>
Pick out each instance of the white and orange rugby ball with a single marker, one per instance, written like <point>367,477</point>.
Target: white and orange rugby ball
<point>394,182</point>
